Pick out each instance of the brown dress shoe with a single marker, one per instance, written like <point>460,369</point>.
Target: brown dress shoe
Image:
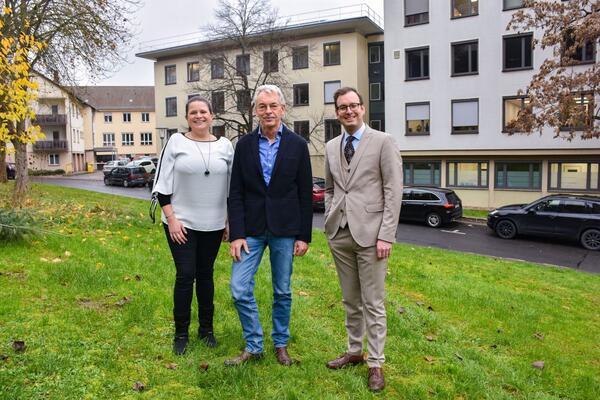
<point>344,360</point>
<point>376,381</point>
<point>242,359</point>
<point>283,357</point>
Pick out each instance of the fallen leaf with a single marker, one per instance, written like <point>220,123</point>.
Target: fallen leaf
<point>430,338</point>
<point>538,365</point>
<point>18,346</point>
<point>42,259</point>
<point>302,293</point>
<point>123,301</point>
<point>127,279</point>
<point>56,260</point>
<point>171,366</point>
<point>538,335</point>
<point>429,359</point>
<point>420,303</point>
<point>67,254</point>
<point>458,356</point>
<point>203,367</point>
<point>401,310</point>
<point>138,386</point>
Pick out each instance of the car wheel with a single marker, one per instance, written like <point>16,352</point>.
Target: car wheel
<point>506,229</point>
<point>125,183</point>
<point>106,182</point>
<point>590,239</point>
<point>434,220</point>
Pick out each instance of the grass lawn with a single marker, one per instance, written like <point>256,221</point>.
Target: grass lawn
<point>93,302</point>
<point>475,213</point>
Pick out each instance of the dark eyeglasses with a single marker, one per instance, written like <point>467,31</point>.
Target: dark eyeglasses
<point>351,106</point>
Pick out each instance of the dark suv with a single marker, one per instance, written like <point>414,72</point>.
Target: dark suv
<point>432,205</point>
<point>126,176</point>
<point>564,216</point>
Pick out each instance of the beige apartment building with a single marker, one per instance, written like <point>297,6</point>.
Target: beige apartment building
<point>319,56</point>
<point>120,123</point>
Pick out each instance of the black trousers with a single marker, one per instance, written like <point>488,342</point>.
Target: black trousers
<point>194,260</point>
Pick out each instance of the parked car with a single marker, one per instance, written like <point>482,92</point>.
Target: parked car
<point>11,171</point>
<point>110,165</point>
<point>126,176</point>
<point>432,205</point>
<point>145,163</point>
<point>563,216</point>
<point>318,193</point>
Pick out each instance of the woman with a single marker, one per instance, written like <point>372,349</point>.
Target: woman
<point>192,185</point>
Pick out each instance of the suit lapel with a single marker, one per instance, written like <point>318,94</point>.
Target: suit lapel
<point>255,155</point>
<point>362,146</point>
<point>281,152</point>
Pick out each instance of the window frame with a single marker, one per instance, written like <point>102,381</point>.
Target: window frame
<point>238,63</point>
<point>378,47</point>
<point>326,62</point>
<point>452,16</point>
<point>418,103</point>
<point>410,165</point>
<point>567,128</point>
<point>128,143</point>
<point>522,36</point>
<point>148,141</point>
<point>239,103</point>
<point>189,69</point>
<point>270,66</point>
<point>505,186</point>
<point>108,143</point>
<point>504,99</point>
<point>167,68</point>
<point>470,132</point>
<point>296,54</point>
<point>145,117</point>
<point>423,17</point>
<point>303,122</point>
<point>377,84</point>
<point>108,118</point>
<point>406,54</point>
<point>217,108</point>
<point>127,117</point>
<point>504,8</point>
<point>56,158</point>
<point>217,64</point>
<point>324,91</point>
<point>167,99</point>
<point>296,90</point>
<point>479,173</point>
<point>559,175</point>
<point>469,43</point>
<point>332,122</point>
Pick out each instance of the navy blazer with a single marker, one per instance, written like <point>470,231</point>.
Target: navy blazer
<point>284,208</point>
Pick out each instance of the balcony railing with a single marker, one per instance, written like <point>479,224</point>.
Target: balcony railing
<point>50,119</point>
<point>51,145</point>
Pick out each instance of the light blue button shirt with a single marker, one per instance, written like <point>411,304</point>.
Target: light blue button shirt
<point>268,153</point>
<point>357,135</point>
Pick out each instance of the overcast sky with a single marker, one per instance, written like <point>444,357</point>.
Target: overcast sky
<point>159,19</point>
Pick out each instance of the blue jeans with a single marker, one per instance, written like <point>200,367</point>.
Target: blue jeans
<point>242,289</point>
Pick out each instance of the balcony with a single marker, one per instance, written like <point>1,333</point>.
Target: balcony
<point>51,145</point>
<point>50,119</point>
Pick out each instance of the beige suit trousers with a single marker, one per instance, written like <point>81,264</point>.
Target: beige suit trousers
<point>362,279</point>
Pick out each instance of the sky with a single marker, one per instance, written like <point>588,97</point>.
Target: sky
<point>158,19</point>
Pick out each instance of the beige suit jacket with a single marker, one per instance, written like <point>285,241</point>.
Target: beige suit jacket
<point>368,191</point>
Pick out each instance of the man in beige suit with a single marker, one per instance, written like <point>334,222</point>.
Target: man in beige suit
<point>363,195</point>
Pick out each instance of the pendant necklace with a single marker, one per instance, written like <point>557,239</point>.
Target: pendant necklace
<point>206,165</point>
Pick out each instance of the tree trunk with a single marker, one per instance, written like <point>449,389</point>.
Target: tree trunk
<point>3,175</point>
<point>21,178</point>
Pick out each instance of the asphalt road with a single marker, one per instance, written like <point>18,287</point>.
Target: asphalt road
<point>466,237</point>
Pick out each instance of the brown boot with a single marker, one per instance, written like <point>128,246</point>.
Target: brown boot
<point>344,360</point>
<point>376,381</point>
<point>283,357</point>
<point>243,358</point>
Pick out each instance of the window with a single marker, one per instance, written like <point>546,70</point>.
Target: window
<point>375,124</point>
<point>572,54</point>
<point>126,117</point>
<point>586,53</point>
<point>53,159</point>
<point>170,75</point>
<point>218,131</point>
<point>145,117</point>
<point>242,64</point>
<point>518,175</point>
<point>374,55</point>
<point>270,61</point>
<point>301,94</point>
<point>518,53</point>
<point>511,4</point>
<point>464,58</point>
<point>375,91</point>
<point>467,174</point>
<point>578,113</point>
<point>243,100</point>
<point>171,106</point>
<point>416,12</point>
<point>108,139</point>
<point>127,139</point>
<point>217,68</point>
<point>422,173</point>
<point>574,175</point>
<point>417,118</point>
<point>331,53</point>
<point>329,89</point>
<point>417,63</point>
<point>511,107</point>
<point>193,71</point>
<point>332,129</point>
<point>302,128</point>
<point>146,138</point>
<point>464,8</point>
<point>465,116</point>
<point>300,57</point>
<point>107,118</point>
<point>218,101</point>
<point>54,109</point>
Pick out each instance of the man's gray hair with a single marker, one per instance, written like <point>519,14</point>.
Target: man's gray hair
<point>268,89</point>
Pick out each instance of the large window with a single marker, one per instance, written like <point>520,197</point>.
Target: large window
<point>243,100</point>
<point>574,175</point>
<point>126,117</point>
<point>170,75</point>
<point>579,114</point>
<point>518,175</point>
<point>416,12</point>
<point>331,53</point>
<point>300,57</point>
<point>108,139</point>
<point>464,58</point>
<point>375,91</point>
<point>171,106</point>
<point>332,129</point>
<point>53,159</point>
<point>242,64</point>
<point>417,63</point>
<point>511,107</point>
<point>146,139</point>
<point>127,139</point>
<point>218,101</point>
<point>511,4</point>
<point>464,8</point>
<point>145,117</point>
<point>518,52</point>
<point>301,94</point>
<point>217,68</point>
<point>465,116</point>
<point>270,61</point>
<point>571,54</point>
<point>467,174</point>
<point>329,89</point>
<point>193,71</point>
<point>302,128</point>
<point>107,118</point>
<point>374,54</point>
<point>417,118</point>
<point>422,173</point>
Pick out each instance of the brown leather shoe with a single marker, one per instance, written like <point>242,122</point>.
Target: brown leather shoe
<point>344,360</point>
<point>283,357</point>
<point>243,358</point>
<point>376,381</point>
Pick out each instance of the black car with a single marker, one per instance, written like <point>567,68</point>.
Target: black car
<point>126,176</point>
<point>562,216</point>
<point>11,171</point>
<point>432,205</point>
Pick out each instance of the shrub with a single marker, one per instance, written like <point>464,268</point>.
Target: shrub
<point>44,172</point>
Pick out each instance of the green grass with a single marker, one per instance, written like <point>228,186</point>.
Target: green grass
<point>475,213</point>
<point>61,294</point>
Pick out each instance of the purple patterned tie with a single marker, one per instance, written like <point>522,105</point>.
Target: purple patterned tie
<point>349,149</point>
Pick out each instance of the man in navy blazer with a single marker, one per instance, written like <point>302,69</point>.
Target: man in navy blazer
<point>270,204</point>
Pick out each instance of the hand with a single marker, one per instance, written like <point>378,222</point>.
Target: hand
<point>176,230</point>
<point>225,237</point>
<point>235,249</point>
<point>300,248</point>
<point>384,249</point>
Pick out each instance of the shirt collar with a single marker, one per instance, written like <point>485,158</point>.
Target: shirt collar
<point>279,131</point>
<point>357,135</point>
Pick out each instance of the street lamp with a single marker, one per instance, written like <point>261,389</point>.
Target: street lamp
<point>162,132</point>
